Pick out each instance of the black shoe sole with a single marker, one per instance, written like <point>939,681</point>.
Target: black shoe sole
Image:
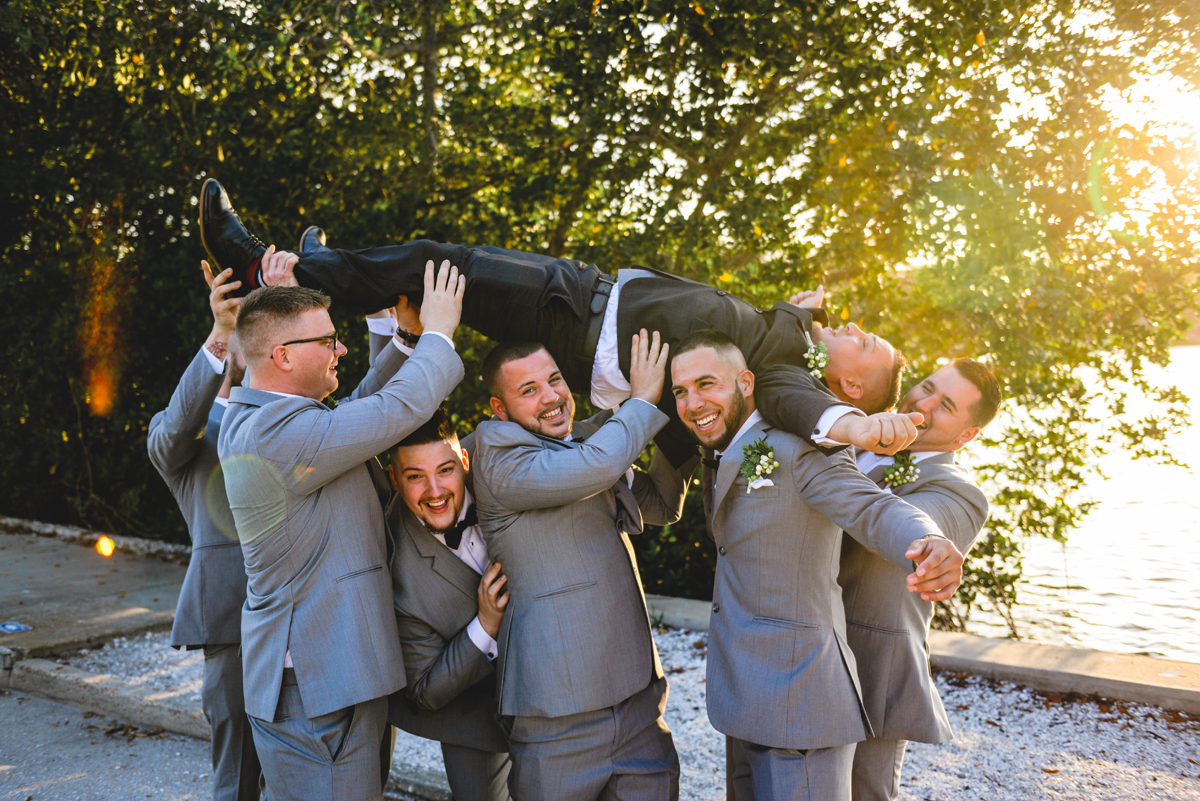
<point>203,238</point>
<point>303,236</point>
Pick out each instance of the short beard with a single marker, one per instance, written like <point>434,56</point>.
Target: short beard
<point>737,410</point>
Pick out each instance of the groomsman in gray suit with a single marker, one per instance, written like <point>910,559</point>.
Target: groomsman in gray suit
<point>782,681</point>
<point>182,441</point>
<point>578,674</point>
<point>320,645</point>
<point>449,602</point>
<point>886,626</point>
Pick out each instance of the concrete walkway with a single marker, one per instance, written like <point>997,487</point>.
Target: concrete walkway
<point>73,597</point>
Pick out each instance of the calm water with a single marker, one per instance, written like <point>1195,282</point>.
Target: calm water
<point>1127,579</point>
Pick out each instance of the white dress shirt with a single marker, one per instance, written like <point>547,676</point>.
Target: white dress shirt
<point>218,366</point>
<point>610,387</point>
<point>472,550</point>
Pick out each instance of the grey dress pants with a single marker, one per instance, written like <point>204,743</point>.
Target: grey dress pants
<point>760,773</point>
<point>332,756</point>
<point>237,774</point>
<point>877,766</point>
<point>476,775</point>
<point>619,752</point>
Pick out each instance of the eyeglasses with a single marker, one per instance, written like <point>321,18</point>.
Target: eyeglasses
<point>330,340</point>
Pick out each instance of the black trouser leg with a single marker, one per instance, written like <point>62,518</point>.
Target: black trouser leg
<point>509,296</point>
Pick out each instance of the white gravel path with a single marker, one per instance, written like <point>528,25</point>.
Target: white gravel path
<point>1013,744</point>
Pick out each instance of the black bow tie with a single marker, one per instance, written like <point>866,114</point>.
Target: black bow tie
<point>713,463</point>
<point>454,535</point>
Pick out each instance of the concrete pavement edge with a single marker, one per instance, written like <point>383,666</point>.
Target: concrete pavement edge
<point>1163,683</point>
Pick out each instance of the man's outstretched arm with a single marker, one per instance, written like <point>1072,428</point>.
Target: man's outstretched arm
<point>175,433</point>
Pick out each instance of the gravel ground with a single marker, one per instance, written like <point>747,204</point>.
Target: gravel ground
<point>1012,743</point>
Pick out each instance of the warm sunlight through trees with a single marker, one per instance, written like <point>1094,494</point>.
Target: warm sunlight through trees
<point>1015,181</point>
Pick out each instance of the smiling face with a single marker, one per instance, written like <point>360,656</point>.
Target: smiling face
<point>431,480</point>
<point>311,366</point>
<point>946,400</point>
<point>714,395</point>
<point>534,395</point>
<point>860,364</point>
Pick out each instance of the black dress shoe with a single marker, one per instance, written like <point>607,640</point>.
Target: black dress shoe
<point>227,241</point>
<point>312,240</point>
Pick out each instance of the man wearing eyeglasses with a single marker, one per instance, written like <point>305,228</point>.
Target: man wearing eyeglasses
<point>321,652</point>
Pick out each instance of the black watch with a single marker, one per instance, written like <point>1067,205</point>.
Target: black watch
<point>407,337</point>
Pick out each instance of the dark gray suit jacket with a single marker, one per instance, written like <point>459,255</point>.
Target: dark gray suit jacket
<point>780,672</point>
<point>182,442</point>
<point>312,530</point>
<point>887,626</point>
<point>576,634</point>
<point>451,691</point>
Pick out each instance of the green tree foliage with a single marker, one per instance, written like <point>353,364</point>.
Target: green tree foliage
<point>953,172</point>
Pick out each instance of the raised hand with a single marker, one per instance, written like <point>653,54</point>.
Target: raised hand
<point>491,602</point>
<point>940,570</point>
<point>407,316</point>
<point>809,299</point>
<point>442,308</point>
<point>277,268</point>
<point>886,433</point>
<point>224,309</point>
<point>647,367</point>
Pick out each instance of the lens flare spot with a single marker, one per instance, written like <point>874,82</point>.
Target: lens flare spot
<point>105,547</point>
<point>102,324</point>
<point>255,497</point>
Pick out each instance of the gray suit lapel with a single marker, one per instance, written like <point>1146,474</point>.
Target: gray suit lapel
<point>442,560</point>
<point>924,475</point>
<point>731,462</point>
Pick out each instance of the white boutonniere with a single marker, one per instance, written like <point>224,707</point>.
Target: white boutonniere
<point>758,461</point>
<point>818,357</point>
<point>902,471</point>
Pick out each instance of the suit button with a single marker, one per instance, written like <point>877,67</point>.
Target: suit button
<point>716,607</point>
<point>722,292</point>
<point>721,550</point>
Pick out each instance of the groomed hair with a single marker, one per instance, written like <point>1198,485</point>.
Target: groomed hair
<point>267,309</point>
<point>984,410</point>
<point>888,378</point>
<point>439,428</point>
<point>501,355</point>
<point>719,341</point>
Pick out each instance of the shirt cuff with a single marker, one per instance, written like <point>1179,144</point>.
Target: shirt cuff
<point>828,418</point>
<point>449,341</point>
<point>643,400</point>
<point>403,346</point>
<point>218,365</point>
<point>384,326</point>
<point>483,641</point>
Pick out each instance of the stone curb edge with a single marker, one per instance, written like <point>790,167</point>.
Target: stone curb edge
<point>108,696</point>
<point>1164,683</point>
<point>82,536</point>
